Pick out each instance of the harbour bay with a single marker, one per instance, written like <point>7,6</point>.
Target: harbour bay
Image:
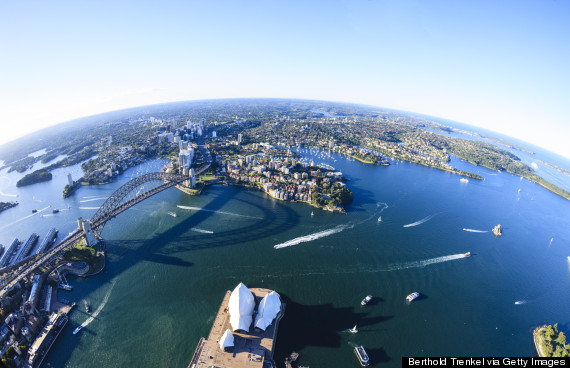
<point>168,278</point>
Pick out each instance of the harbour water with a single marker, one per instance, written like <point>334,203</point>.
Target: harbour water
<point>166,275</point>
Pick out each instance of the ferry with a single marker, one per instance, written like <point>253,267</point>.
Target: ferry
<point>77,329</point>
<point>366,300</point>
<point>463,180</point>
<point>468,254</point>
<point>497,230</point>
<point>86,306</point>
<point>65,287</point>
<point>55,210</point>
<point>362,356</point>
<point>412,296</point>
<point>34,211</point>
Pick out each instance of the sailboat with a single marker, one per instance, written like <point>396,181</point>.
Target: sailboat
<point>312,214</point>
<point>380,219</point>
<point>353,330</point>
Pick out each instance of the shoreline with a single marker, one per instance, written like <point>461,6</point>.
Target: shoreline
<point>535,337</point>
<point>340,210</point>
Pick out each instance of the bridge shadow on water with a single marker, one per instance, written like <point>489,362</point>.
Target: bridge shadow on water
<point>180,238</point>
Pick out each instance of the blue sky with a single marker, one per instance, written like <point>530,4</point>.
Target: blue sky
<point>500,65</point>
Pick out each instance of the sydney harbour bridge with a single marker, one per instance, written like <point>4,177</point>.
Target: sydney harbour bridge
<point>129,194</point>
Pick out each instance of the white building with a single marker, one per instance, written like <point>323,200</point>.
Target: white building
<point>268,309</point>
<point>241,307</point>
<point>227,340</point>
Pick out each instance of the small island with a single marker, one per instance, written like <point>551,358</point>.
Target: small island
<point>34,177</point>
<point>549,342</point>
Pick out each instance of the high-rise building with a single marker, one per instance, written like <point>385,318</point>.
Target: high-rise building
<point>240,137</point>
<point>69,179</point>
<point>214,135</point>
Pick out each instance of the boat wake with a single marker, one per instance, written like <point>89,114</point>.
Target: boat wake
<point>8,195</point>
<point>89,208</point>
<point>475,231</point>
<point>387,268</point>
<point>92,199</point>
<point>311,237</point>
<point>25,217</point>
<point>201,231</point>
<point>425,262</point>
<point>99,308</point>
<point>549,244</point>
<point>425,219</point>
<point>220,212</point>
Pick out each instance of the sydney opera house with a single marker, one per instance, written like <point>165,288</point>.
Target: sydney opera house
<point>244,331</point>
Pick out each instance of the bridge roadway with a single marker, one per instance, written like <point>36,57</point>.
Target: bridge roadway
<point>98,223</point>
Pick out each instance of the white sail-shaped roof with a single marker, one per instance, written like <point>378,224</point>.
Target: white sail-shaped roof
<point>227,340</point>
<point>241,306</point>
<point>268,309</point>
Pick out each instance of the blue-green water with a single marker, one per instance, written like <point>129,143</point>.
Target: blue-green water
<point>167,275</point>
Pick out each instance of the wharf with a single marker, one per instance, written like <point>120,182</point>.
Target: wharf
<point>252,350</point>
<point>45,340</point>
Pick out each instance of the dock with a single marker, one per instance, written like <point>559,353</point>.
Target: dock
<point>253,349</point>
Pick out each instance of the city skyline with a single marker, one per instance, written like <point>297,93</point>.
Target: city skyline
<point>497,66</point>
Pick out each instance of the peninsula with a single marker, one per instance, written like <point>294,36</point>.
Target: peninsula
<point>549,342</point>
<point>237,339</point>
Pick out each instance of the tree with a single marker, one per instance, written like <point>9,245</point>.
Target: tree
<point>549,333</point>
<point>561,339</point>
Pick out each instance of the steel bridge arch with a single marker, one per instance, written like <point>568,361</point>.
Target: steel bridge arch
<point>121,199</point>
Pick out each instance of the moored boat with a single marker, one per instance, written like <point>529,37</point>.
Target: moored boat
<point>366,300</point>
<point>77,329</point>
<point>362,356</point>
<point>86,306</point>
<point>412,296</point>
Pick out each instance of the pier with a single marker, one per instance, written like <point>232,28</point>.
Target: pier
<point>253,349</point>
